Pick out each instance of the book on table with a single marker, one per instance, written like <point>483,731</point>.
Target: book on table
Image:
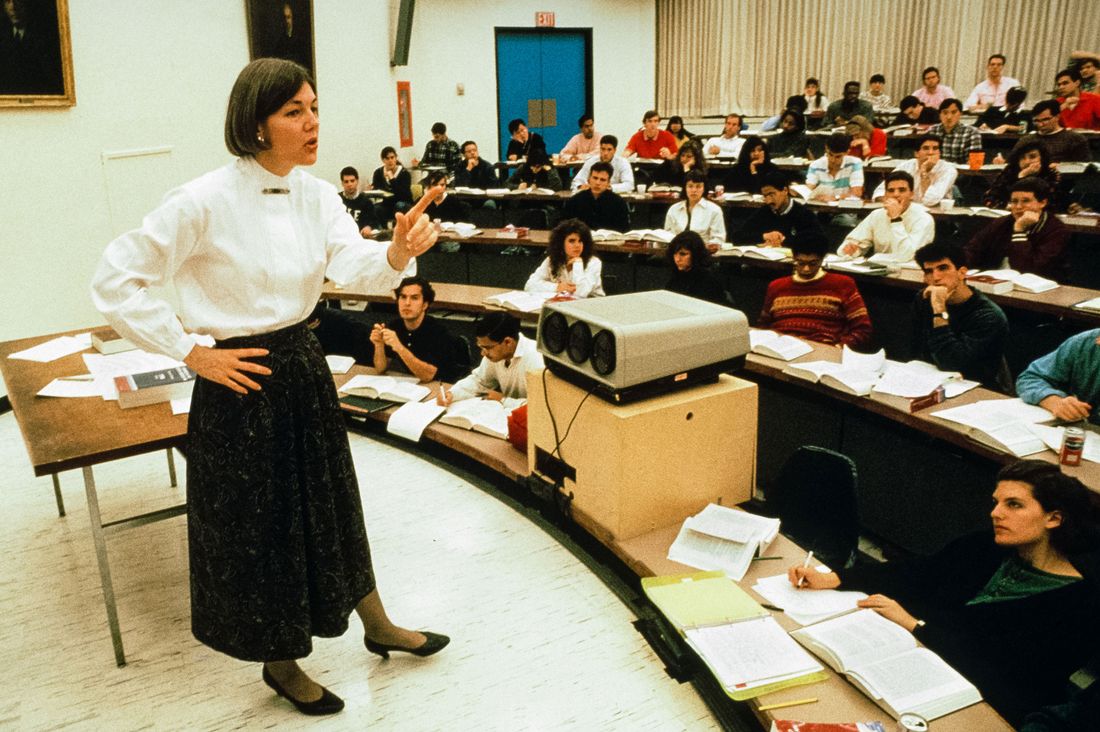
<point>989,285</point>
<point>738,640</point>
<point>662,236</point>
<point>520,300</point>
<point>390,388</point>
<point>107,341</point>
<point>771,254</point>
<point>1022,281</point>
<point>459,229</point>
<point>990,213</point>
<point>885,662</point>
<point>363,405</point>
<point>777,345</point>
<point>151,387</point>
<point>608,235</point>
<point>412,418</point>
<point>725,539</point>
<point>487,416</point>
<point>1003,424</point>
<point>793,725</point>
<point>1092,305</point>
<point>912,386</point>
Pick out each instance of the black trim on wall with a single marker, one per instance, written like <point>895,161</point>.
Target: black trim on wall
<point>5,405</point>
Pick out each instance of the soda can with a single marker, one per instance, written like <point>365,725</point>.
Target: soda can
<point>1073,444</point>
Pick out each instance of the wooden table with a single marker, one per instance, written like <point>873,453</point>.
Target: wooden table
<point>68,434</point>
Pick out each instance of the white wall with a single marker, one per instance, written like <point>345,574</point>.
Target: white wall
<point>153,73</point>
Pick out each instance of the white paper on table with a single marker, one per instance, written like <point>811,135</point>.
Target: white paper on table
<point>412,418</point>
<point>84,338</point>
<point>70,388</point>
<point>751,650</point>
<point>51,350</point>
<point>106,367</point>
<point>862,361</point>
<point>806,606</point>
<point>340,364</point>
<point>989,414</point>
<point>908,383</point>
<point>956,387</point>
<point>1052,438</point>
<point>181,406</point>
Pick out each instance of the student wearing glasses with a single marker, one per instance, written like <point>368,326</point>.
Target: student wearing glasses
<point>1062,144</point>
<point>507,356</point>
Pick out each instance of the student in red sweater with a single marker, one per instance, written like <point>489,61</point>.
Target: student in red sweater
<point>815,304</point>
<point>1080,109</point>
<point>1030,239</point>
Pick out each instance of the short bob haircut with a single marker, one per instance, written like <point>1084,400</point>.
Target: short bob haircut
<point>555,251</point>
<point>1056,491</point>
<point>425,288</point>
<point>689,241</point>
<point>1012,165</point>
<point>937,250</point>
<point>260,90</point>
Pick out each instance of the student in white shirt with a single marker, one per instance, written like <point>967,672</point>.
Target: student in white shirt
<point>899,228</point>
<point>728,144</point>
<point>990,92</point>
<point>570,267</point>
<point>696,213</point>
<point>507,356</point>
<point>622,175</point>
<point>270,478</point>
<point>933,178</point>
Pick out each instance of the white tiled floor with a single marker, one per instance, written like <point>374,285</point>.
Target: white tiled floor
<point>538,642</point>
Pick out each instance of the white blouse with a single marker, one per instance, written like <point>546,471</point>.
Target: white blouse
<point>706,220</point>
<point>243,261</point>
<point>587,279</point>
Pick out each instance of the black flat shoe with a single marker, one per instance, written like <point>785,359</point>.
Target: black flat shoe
<point>329,703</point>
<point>434,644</point>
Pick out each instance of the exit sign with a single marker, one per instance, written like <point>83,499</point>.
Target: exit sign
<point>544,20</point>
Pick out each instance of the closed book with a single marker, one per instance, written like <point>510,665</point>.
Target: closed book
<point>151,387</point>
<point>989,285</point>
<point>910,404</point>
<point>107,341</point>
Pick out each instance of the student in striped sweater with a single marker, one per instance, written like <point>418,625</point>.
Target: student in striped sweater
<point>815,304</point>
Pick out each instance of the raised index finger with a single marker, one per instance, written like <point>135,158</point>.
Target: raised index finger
<point>421,205</point>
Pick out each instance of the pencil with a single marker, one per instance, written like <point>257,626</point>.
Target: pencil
<point>794,703</point>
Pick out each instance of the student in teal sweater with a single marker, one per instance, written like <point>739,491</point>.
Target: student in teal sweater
<point>1066,382</point>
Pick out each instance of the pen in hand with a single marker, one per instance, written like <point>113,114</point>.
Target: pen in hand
<point>805,565</point>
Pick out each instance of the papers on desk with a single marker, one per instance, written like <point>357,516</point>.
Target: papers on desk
<point>608,235</point>
<point>181,406</point>
<point>720,538</point>
<point>390,388</point>
<point>752,251</point>
<point>1093,305</point>
<point>411,419</point>
<point>739,641</point>
<point>791,161</point>
<point>1052,438</point>
<point>106,367</point>
<point>339,364</point>
<point>663,236</point>
<point>519,300</point>
<point>776,345</point>
<point>71,387</point>
<point>1003,424</point>
<point>471,191</point>
<point>54,349</point>
<point>458,229</point>
<point>806,607</point>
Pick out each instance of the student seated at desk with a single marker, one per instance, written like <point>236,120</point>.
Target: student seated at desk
<point>535,173</point>
<point>1029,239</point>
<point>913,112</point>
<point>507,356</point>
<point>899,228</point>
<point>836,174</point>
<point>444,207</point>
<point>622,175</point>
<point>1015,613</point>
<point>1011,117</point>
<point>523,141</point>
<point>570,267</point>
<point>868,141</point>
<point>752,165</point>
<point>473,172</point>
<point>933,179</point>
<point>1030,159</point>
<point>791,142</point>
<point>691,270</point>
<point>358,205</point>
<point>956,327</point>
<point>811,303</point>
<point>1066,381</point>
<point>673,171</point>
<point>416,342</point>
<point>596,205</point>
<point>651,141</point>
<point>696,213</point>
<point>675,127</point>
<point>780,218</point>
<point>729,143</point>
<point>391,177</point>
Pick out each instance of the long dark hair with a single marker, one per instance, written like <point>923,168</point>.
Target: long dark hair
<point>692,242</point>
<point>744,158</point>
<point>556,249</point>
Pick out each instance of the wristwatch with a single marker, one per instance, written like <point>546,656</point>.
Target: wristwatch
<point>944,316</point>
<point>920,624</point>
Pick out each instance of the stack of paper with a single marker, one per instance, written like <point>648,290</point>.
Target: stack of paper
<point>1003,424</point>
<point>806,606</point>
<point>726,539</point>
<point>458,229</point>
<point>412,418</point>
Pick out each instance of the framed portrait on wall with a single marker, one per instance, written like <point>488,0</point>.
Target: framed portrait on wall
<point>36,57</point>
<point>281,29</point>
<point>404,114</point>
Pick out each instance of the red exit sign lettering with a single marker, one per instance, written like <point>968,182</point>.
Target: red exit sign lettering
<point>544,20</point>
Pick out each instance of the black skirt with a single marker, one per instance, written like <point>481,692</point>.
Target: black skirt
<point>278,546</point>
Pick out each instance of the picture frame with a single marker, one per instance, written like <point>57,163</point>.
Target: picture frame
<point>36,55</point>
<point>404,114</point>
<point>281,29</point>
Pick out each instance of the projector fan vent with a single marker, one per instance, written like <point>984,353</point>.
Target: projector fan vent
<point>580,342</point>
<point>603,352</point>
<point>555,333</point>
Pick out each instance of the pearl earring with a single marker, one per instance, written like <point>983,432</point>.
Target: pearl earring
<point>260,136</point>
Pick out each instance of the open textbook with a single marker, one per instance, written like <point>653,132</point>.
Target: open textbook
<point>856,373</point>
<point>1003,424</point>
<point>776,345</point>
<point>743,646</point>
<point>486,416</point>
<point>1024,282</point>
<point>885,662</point>
<point>721,538</point>
<point>412,418</point>
<point>520,301</point>
<point>390,388</point>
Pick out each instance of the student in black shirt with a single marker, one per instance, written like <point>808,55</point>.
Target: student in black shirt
<point>779,218</point>
<point>691,271</point>
<point>473,172</point>
<point>445,207</point>
<point>598,206</point>
<point>392,177</point>
<point>358,205</point>
<point>523,141</point>
<point>416,342</point>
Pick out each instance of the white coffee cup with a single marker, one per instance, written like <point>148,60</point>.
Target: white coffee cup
<point>640,188</point>
<point>947,203</point>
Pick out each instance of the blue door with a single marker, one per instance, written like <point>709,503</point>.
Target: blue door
<point>544,77</point>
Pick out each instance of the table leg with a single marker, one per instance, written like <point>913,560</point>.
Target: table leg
<point>104,565</point>
<point>57,495</point>
<point>171,467</point>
